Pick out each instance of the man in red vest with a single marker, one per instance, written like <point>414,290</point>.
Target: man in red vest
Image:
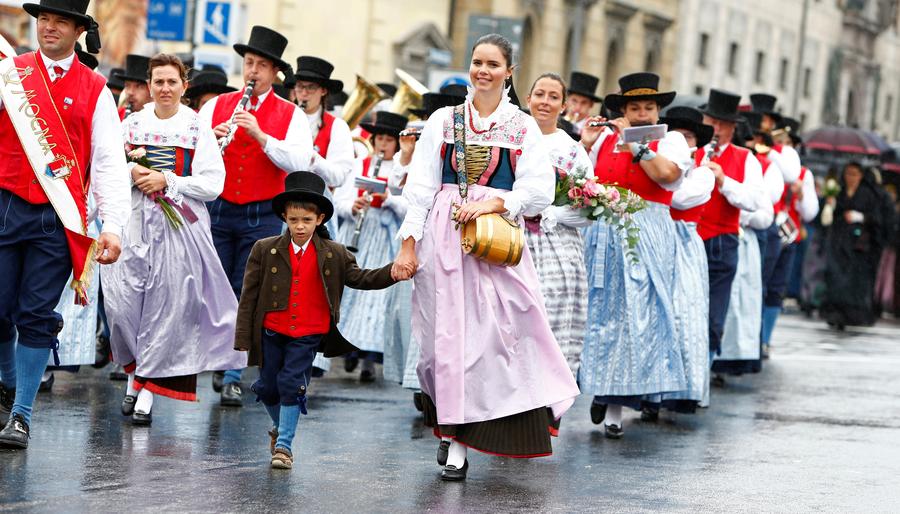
<point>42,244</point>
<point>739,186</point>
<point>137,89</point>
<point>272,139</point>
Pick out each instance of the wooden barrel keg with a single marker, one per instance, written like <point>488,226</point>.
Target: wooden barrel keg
<point>494,239</point>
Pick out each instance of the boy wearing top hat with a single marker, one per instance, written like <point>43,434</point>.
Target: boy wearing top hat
<point>271,140</point>
<point>290,305</point>
<point>739,186</point>
<point>136,90</point>
<point>43,245</point>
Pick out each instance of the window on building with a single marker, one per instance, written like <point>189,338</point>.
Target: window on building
<point>698,90</point>
<point>783,74</point>
<point>650,61</point>
<point>889,107</point>
<point>807,81</point>
<point>733,52</point>
<point>704,49</point>
<point>759,68</point>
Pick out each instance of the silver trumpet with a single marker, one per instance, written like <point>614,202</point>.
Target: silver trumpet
<point>361,217</point>
<point>232,126</point>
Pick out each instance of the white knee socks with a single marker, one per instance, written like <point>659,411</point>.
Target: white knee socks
<point>129,391</point>
<point>144,402</point>
<point>457,455</point>
<point>614,415</point>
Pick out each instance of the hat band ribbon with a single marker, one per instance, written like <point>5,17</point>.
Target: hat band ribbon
<point>641,91</point>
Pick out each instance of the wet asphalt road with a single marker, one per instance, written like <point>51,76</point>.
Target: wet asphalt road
<point>818,430</point>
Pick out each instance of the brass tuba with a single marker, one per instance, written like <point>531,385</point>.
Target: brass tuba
<point>408,96</point>
<point>364,96</point>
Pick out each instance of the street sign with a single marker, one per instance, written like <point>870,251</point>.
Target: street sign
<point>438,78</point>
<point>167,20</point>
<point>216,22</point>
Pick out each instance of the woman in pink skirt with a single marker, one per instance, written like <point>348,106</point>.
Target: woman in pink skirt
<point>489,366</point>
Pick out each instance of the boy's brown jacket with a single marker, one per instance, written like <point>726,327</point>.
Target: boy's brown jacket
<point>267,284</point>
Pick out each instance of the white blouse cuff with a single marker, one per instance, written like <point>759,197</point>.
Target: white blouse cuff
<point>172,187</point>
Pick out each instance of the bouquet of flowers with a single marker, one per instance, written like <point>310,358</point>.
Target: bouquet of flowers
<point>832,188</point>
<point>139,155</point>
<point>615,205</point>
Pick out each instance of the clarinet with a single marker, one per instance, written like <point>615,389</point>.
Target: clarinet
<point>361,217</point>
<point>710,153</point>
<point>128,109</point>
<point>232,126</point>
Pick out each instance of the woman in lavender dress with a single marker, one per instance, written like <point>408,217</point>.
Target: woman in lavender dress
<point>169,304</point>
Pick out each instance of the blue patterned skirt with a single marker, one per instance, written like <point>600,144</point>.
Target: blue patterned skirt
<point>741,336</point>
<point>631,348</point>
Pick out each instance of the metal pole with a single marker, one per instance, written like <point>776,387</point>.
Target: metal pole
<point>798,79</point>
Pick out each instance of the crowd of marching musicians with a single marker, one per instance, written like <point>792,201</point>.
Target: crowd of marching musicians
<point>632,255</point>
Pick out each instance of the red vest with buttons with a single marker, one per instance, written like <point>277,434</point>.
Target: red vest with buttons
<point>323,138</point>
<point>720,217</point>
<point>249,174</point>
<point>307,312</point>
<point>16,174</point>
<point>377,202</point>
<point>616,168</point>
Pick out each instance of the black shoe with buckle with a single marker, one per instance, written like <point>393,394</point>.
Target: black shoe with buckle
<point>217,378</point>
<point>443,451</point>
<point>128,404</point>
<point>232,395</point>
<point>141,419</point>
<point>7,399</point>
<point>614,431</point>
<point>454,474</point>
<point>598,412</point>
<point>16,433</point>
<point>350,363</point>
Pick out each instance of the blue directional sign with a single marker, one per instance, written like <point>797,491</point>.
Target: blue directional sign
<point>167,20</point>
<point>216,20</point>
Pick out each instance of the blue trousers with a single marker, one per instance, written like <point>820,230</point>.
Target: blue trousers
<point>286,367</point>
<point>235,229</point>
<point>721,257</point>
<point>776,287</point>
<point>769,250</point>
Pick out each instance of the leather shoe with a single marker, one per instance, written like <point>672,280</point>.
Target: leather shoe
<point>232,395</point>
<point>101,352</point>
<point>350,363</point>
<point>7,398</point>
<point>217,378</point>
<point>367,376</point>
<point>452,474</point>
<point>598,412</point>
<point>649,414</point>
<point>614,431</point>
<point>443,451</point>
<point>47,385</point>
<point>282,458</point>
<point>128,404</point>
<point>16,433</point>
<point>141,419</point>
<point>273,435</point>
<point>117,373</point>
<point>717,381</point>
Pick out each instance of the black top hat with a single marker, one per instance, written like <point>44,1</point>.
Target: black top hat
<point>388,88</point>
<point>86,59</point>
<point>584,84</point>
<point>455,89</point>
<point>75,9</point>
<point>114,82</point>
<point>789,124</point>
<point>638,86</point>
<point>386,123</point>
<point>314,69</point>
<point>208,82</point>
<point>688,118</point>
<point>764,103</point>
<point>722,105</point>
<point>267,43</point>
<point>434,101</point>
<point>137,68</point>
<point>303,186</point>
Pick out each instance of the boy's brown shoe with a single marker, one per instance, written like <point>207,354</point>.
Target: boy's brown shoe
<point>282,459</point>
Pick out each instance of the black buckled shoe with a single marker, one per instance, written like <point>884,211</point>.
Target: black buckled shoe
<point>232,395</point>
<point>128,404</point>
<point>443,451</point>
<point>217,378</point>
<point>598,412</point>
<point>350,363</point>
<point>614,431</point>
<point>7,399</point>
<point>142,420</point>
<point>454,474</point>
<point>16,433</point>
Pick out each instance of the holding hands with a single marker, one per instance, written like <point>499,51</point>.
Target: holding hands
<point>406,264</point>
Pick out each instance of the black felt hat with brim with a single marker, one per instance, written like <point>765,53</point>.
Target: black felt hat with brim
<point>206,82</point>
<point>584,84</point>
<point>303,186</point>
<point>266,43</point>
<point>75,9</point>
<point>688,118</point>
<point>434,101</point>
<point>114,81</point>
<point>318,70</point>
<point>386,123</point>
<point>635,87</point>
<point>86,59</point>
<point>764,103</point>
<point>137,68</point>
<point>722,105</point>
